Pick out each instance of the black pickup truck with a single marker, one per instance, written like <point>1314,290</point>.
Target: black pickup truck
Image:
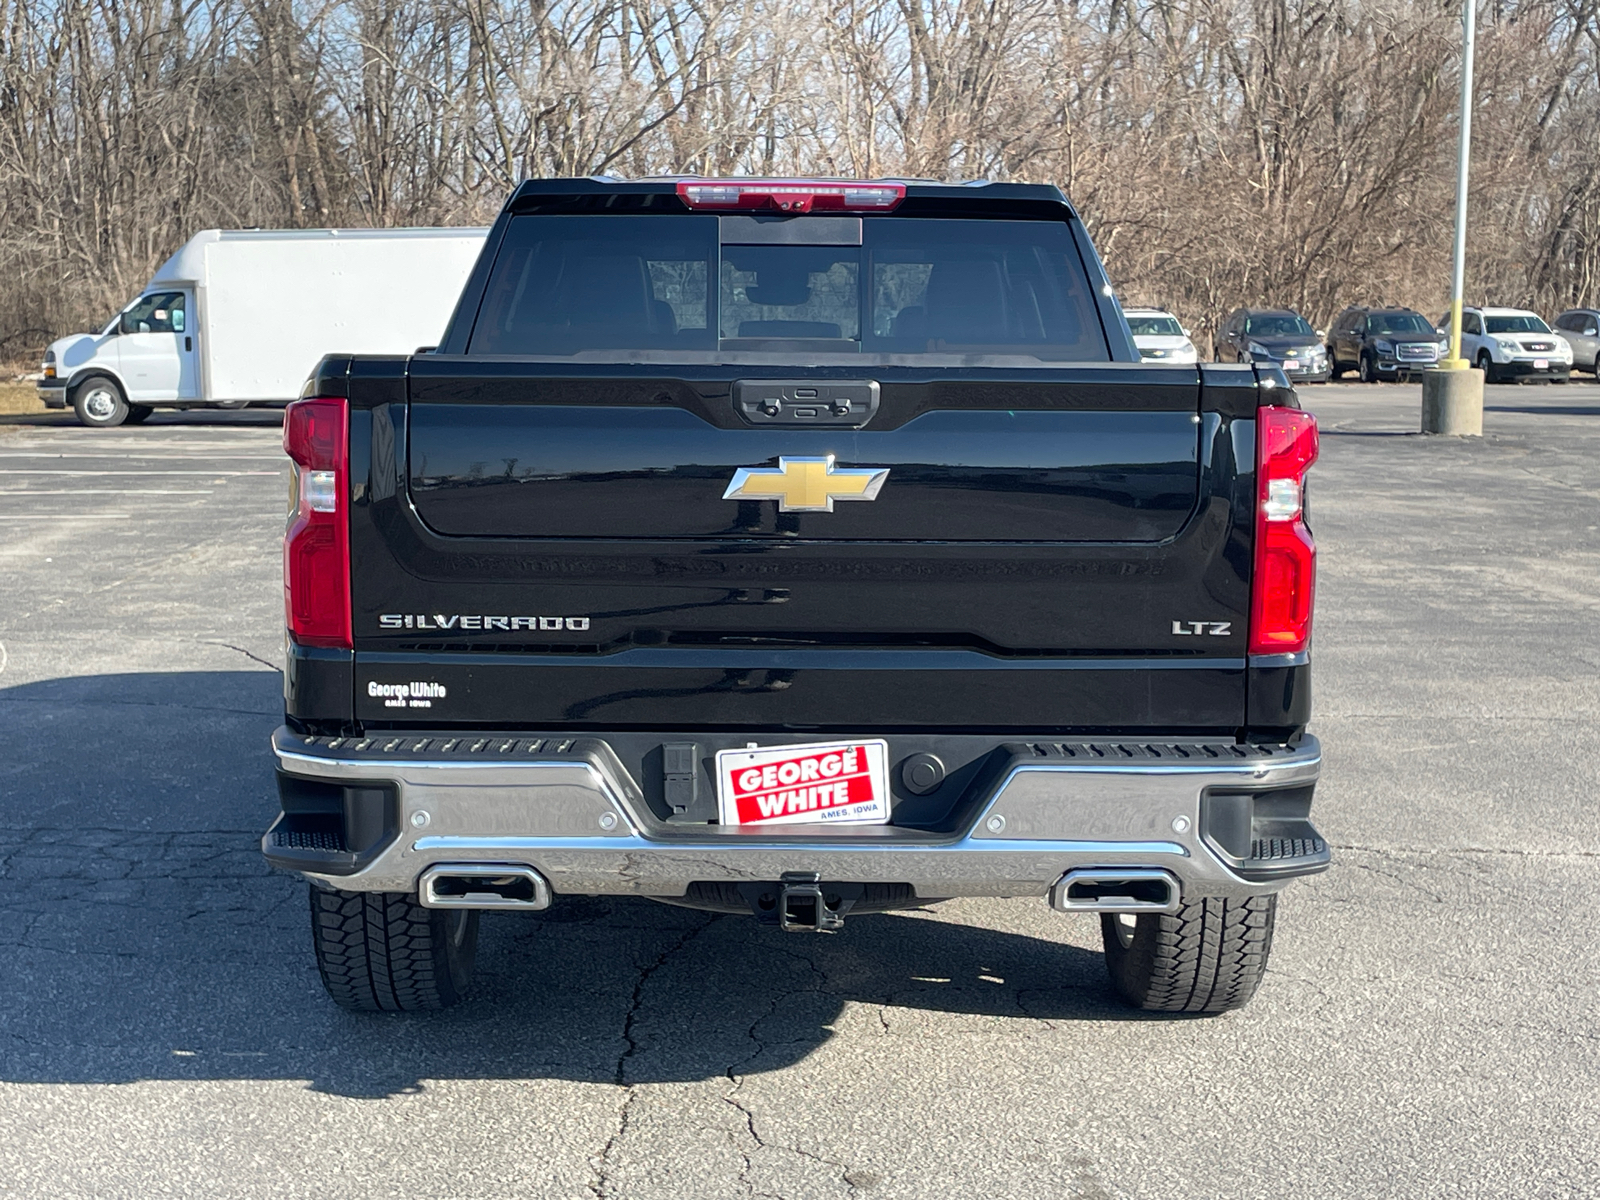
<point>800,549</point>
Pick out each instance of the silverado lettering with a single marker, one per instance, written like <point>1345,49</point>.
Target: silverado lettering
<point>875,513</point>
<point>458,621</point>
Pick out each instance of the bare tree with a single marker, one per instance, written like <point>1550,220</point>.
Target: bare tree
<point>1295,152</point>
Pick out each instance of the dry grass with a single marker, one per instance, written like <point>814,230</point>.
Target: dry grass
<point>20,398</point>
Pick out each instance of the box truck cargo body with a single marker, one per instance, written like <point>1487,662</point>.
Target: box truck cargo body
<point>239,317</point>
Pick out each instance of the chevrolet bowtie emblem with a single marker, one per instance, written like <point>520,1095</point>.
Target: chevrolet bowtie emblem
<point>806,484</point>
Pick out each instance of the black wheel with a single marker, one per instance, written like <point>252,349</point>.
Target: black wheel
<point>98,402</point>
<point>1208,957</point>
<point>1368,370</point>
<point>1335,367</point>
<point>1486,365</point>
<point>384,952</point>
<point>138,414</point>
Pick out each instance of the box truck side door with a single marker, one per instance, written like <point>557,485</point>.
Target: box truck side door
<point>156,347</point>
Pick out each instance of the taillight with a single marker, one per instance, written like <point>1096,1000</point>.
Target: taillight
<point>791,195</point>
<point>316,546</point>
<point>1286,560</point>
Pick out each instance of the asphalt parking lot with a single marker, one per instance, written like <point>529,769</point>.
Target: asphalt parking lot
<point>1430,1025</point>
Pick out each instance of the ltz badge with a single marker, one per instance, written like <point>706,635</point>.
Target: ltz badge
<point>806,484</point>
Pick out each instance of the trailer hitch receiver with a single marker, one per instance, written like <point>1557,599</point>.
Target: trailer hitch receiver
<point>802,907</point>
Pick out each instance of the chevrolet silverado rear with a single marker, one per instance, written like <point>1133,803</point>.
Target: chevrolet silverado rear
<point>802,549</point>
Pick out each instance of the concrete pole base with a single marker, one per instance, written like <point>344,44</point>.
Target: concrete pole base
<point>1452,402</point>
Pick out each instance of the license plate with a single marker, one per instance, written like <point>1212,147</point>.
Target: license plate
<point>819,782</point>
<point>1541,364</point>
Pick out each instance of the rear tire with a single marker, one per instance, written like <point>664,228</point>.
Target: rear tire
<point>138,414</point>
<point>1335,367</point>
<point>1208,957</point>
<point>384,952</point>
<point>98,402</point>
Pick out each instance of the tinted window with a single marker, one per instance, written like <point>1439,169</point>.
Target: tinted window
<point>564,285</point>
<point>996,287</point>
<point>1528,324</point>
<point>789,292</point>
<point>1155,326</point>
<point>1398,323</point>
<point>1278,325</point>
<point>1471,324</point>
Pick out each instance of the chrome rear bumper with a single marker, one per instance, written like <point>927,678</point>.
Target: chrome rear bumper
<point>577,818</point>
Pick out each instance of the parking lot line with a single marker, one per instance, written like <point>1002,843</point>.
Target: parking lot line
<point>42,461</point>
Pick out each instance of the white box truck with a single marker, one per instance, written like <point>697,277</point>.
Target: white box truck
<point>240,317</point>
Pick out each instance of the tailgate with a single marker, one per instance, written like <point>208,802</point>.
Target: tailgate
<point>1060,548</point>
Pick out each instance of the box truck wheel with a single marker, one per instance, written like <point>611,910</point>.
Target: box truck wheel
<point>98,402</point>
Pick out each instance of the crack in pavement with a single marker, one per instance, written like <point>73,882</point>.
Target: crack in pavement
<point>1401,880</point>
<point>243,651</point>
<point>737,1081</point>
<point>600,1185</point>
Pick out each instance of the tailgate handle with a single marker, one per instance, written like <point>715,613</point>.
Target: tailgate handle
<point>797,403</point>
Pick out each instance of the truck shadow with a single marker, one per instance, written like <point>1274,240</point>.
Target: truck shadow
<point>142,937</point>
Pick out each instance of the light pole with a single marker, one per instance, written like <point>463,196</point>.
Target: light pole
<point>1452,397</point>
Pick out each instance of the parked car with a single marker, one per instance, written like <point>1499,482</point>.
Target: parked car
<point>1159,336</point>
<point>1275,337</point>
<point>239,316</point>
<point>1383,343</point>
<point>1511,343</point>
<point>787,596</point>
<point>1580,327</point>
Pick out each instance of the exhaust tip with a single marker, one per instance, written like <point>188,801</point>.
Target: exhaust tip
<point>1124,890</point>
<point>483,885</point>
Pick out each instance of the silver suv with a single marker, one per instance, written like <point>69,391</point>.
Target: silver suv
<point>1580,327</point>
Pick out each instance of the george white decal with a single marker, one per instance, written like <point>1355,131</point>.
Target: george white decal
<point>417,694</point>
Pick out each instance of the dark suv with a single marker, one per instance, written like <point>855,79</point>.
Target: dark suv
<point>1277,337</point>
<point>1383,343</point>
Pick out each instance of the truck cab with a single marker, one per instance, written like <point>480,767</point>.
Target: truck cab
<point>144,357</point>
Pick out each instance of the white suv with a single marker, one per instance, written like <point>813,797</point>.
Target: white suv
<point>1159,336</point>
<point>1512,343</point>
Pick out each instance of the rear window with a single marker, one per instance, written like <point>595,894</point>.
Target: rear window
<point>619,287</point>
